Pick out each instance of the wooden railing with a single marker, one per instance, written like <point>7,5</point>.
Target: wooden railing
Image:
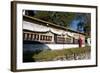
<point>37,37</point>
<point>62,40</point>
<point>27,36</point>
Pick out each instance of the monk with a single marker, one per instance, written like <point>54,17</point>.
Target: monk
<point>80,42</point>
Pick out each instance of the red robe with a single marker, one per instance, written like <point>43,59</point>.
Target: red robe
<point>80,42</point>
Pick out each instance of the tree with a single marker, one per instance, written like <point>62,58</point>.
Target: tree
<point>65,18</point>
<point>59,18</point>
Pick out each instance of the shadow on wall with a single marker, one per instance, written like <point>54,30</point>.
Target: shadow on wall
<point>31,48</point>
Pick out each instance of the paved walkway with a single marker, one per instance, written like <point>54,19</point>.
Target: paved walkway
<point>61,46</point>
<point>34,47</point>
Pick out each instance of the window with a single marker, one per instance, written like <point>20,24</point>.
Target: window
<point>45,38</point>
<point>41,37</point>
<point>29,36</point>
<point>60,39</point>
<point>68,40</point>
<point>36,37</point>
<point>50,38</point>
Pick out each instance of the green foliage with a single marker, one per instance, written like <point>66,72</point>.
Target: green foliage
<point>81,50</point>
<point>60,18</point>
<point>65,19</point>
<point>50,55</point>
